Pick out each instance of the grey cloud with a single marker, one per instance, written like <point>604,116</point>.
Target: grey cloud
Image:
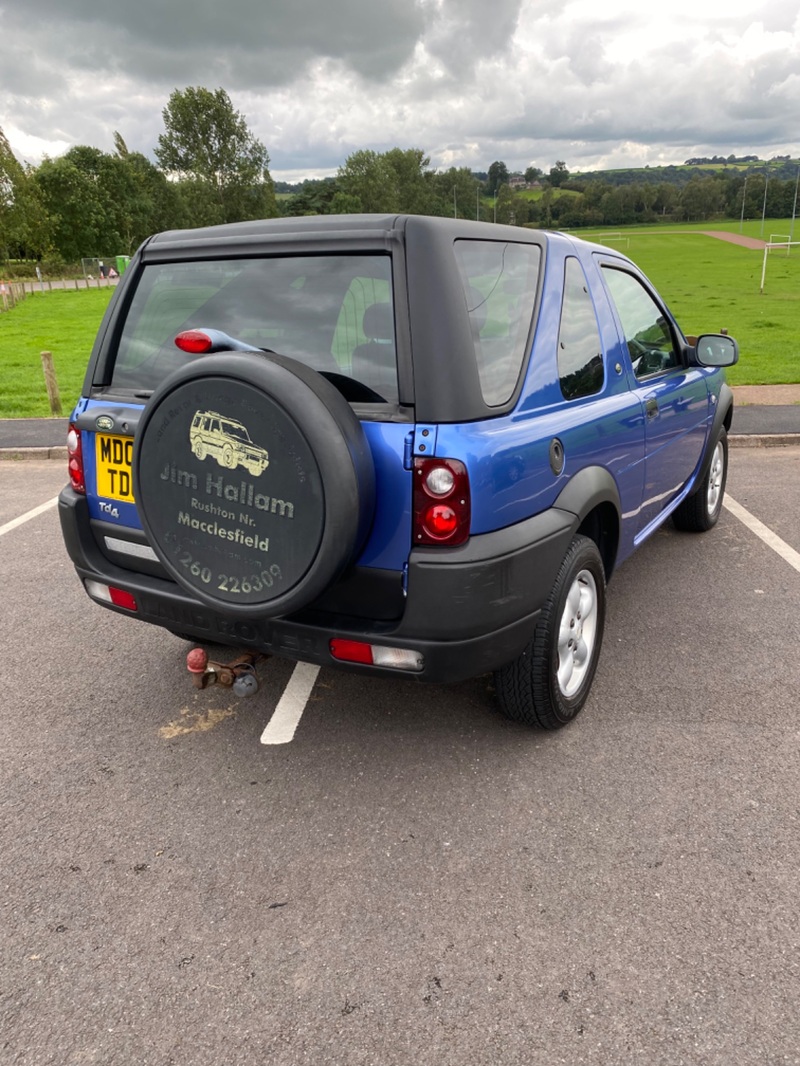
<point>460,32</point>
<point>523,81</point>
<point>266,43</point>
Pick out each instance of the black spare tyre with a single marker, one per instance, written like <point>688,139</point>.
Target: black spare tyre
<point>254,482</point>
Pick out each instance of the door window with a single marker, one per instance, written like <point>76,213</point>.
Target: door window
<point>647,332</point>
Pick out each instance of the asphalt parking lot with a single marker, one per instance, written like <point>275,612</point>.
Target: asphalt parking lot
<point>412,879</point>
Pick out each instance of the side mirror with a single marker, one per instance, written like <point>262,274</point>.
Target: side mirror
<point>716,349</point>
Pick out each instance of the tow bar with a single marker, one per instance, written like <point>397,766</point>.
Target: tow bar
<point>238,674</point>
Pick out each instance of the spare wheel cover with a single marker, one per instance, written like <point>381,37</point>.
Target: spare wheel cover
<point>253,481</point>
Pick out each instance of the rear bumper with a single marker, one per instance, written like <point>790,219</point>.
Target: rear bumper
<point>469,610</point>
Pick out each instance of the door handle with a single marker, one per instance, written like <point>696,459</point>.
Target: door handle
<point>651,408</point>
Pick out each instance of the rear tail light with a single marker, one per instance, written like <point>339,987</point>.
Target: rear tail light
<point>441,502</point>
<point>75,465</point>
<point>358,651</point>
<point>111,594</point>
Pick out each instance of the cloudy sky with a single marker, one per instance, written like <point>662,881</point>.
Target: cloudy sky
<point>597,84</point>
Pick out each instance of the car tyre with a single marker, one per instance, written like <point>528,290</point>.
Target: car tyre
<point>548,684</point>
<point>699,512</point>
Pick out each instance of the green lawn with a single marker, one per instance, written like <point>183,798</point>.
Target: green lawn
<point>62,322</point>
<point>711,284</point>
<point>708,284</point>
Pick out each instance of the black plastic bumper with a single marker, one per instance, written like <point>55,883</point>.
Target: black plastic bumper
<point>469,610</point>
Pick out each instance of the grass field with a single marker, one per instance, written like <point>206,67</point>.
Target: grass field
<point>61,322</point>
<point>708,284</point>
<point>711,284</point>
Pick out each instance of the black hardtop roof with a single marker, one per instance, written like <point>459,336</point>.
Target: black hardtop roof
<point>279,226</point>
<point>341,229</point>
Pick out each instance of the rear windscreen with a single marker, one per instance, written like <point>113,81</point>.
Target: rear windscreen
<point>333,313</point>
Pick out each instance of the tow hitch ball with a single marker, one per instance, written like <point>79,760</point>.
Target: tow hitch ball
<point>238,674</point>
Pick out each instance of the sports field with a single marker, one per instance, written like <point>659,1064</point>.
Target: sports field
<point>712,284</point>
<point>709,284</point>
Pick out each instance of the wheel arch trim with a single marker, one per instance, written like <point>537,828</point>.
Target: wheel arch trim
<point>592,496</point>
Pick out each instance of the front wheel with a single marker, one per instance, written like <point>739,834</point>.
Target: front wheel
<point>699,512</point>
<point>549,682</point>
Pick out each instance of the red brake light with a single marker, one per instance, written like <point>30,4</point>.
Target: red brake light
<point>441,502</point>
<point>75,465</point>
<point>194,342</point>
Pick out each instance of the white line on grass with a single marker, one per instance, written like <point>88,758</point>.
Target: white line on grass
<point>772,540</point>
<point>23,518</point>
<point>284,721</point>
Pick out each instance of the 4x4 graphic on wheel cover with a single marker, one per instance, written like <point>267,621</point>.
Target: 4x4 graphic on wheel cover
<point>228,441</point>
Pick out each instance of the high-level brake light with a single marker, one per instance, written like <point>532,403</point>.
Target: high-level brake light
<point>194,342</point>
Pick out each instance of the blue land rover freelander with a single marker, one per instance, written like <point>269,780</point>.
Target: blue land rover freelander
<point>398,444</point>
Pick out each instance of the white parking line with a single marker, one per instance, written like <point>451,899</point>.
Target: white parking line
<point>284,721</point>
<point>23,518</point>
<point>772,540</point>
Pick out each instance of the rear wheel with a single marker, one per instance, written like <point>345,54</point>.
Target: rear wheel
<point>548,684</point>
<point>699,512</point>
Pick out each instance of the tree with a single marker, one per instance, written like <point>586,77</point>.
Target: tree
<point>411,178</point>
<point>313,198</point>
<point>456,192</point>
<point>25,229</point>
<point>498,175</point>
<point>701,198</point>
<point>532,174</point>
<point>364,184</point>
<point>345,203</point>
<point>510,208</point>
<point>558,174</point>
<point>73,200</point>
<point>209,144</point>
<point>397,180</point>
<point>11,174</point>
<point>100,204</point>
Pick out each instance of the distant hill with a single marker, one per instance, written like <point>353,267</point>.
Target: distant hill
<point>783,167</point>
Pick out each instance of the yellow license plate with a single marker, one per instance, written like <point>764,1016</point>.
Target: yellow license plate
<point>114,456</point>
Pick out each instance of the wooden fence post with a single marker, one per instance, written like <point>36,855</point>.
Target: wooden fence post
<point>51,383</point>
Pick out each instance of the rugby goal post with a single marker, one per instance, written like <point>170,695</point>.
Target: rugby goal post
<point>614,238</point>
<point>788,245</point>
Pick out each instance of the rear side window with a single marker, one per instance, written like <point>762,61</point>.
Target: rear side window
<point>332,313</point>
<point>580,359</point>
<point>500,279</point>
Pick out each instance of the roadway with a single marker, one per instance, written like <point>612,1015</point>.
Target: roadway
<point>412,879</point>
